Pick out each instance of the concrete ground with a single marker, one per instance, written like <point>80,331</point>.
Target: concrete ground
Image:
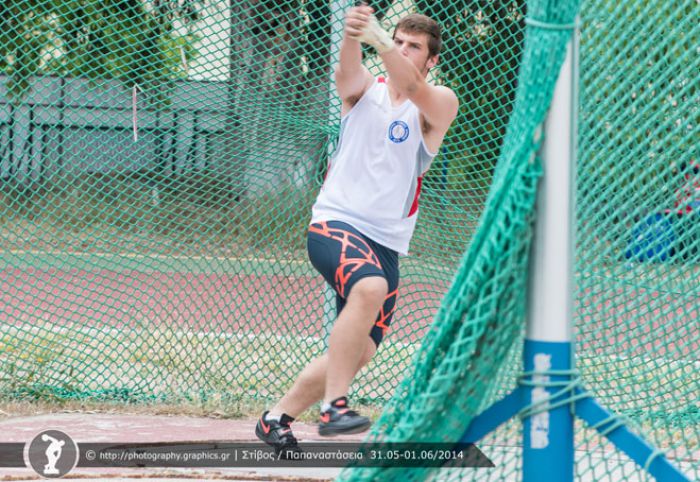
<point>120,428</point>
<point>85,427</point>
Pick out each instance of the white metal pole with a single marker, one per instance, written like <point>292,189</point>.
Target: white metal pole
<point>548,435</point>
<point>337,8</point>
<point>551,265</point>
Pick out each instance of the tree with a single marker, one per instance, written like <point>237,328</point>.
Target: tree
<point>281,66</point>
<point>133,41</point>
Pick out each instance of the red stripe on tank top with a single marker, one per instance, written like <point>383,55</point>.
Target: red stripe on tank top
<point>414,206</point>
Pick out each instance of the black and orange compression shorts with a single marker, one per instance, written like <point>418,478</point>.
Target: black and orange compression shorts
<point>344,256</point>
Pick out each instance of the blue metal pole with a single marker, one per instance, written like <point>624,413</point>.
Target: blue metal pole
<point>638,449</point>
<point>548,434</point>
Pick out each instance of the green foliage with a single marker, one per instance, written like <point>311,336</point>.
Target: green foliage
<point>131,40</point>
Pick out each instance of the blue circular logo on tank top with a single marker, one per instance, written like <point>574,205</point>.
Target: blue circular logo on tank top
<point>398,131</point>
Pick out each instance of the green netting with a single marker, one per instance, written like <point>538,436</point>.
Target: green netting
<point>158,165</point>
<point>158,162</point>
<point>482,315</point>
<point>638,255</point>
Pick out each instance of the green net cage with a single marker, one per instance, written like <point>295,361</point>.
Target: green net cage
<point>159,160</point>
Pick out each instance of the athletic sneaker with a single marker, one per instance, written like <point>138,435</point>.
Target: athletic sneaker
<point>278,435</point>
<point>339,420</point>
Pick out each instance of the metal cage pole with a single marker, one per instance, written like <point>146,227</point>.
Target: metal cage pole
<point>548,434</point>
<point>337,22</point>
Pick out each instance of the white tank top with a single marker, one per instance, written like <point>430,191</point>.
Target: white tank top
<point>375,174</point>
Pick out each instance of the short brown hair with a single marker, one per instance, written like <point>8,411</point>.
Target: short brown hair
<point>417,23</point>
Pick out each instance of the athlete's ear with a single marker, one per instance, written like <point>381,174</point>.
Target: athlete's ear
<point>432,61</point>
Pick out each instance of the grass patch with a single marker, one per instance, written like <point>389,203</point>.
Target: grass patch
<point>227,374</point>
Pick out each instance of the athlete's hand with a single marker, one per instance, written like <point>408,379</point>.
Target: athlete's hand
<point>362,25</point>
<point>356,20</point>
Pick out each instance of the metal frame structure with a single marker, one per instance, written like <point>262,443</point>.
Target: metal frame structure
<point>549,394</point>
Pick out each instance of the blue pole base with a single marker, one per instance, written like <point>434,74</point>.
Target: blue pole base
<point>548,451</point>
<point>548,434</point>
<point>645,455</point>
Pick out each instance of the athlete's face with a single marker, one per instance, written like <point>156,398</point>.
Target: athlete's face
<point>415,47</point>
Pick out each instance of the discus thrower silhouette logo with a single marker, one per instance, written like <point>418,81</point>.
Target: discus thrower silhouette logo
<point>52,453</point>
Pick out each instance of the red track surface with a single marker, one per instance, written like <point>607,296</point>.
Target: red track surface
<point>633,321</point>
<point>216,303</point>
<point>630,321</point>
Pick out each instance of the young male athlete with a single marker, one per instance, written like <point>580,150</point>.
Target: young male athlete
<point>366,211</point>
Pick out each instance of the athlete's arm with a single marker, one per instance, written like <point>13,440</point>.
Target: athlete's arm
<point>437,103</point>
<point>352,78</point>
